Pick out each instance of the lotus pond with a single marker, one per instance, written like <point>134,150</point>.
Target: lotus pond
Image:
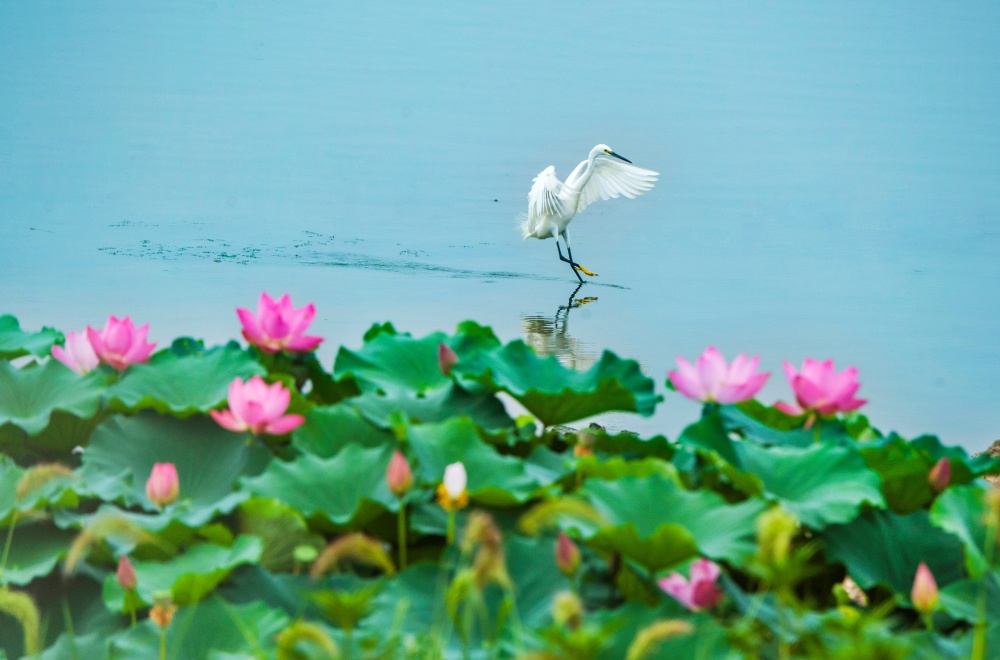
<point>248,501</point>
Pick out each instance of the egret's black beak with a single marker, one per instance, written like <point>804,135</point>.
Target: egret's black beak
<point>611,153</point>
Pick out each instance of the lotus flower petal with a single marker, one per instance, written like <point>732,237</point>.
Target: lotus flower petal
<point>399,475</point>
<point>162,487</point>
<point>711,379</point>
<point>277,325</point>
<point>700,592</point>
<point>120,343</point>
<point>820,389</point>
<point>257,407</point>
<point>925,590</point>
<point>455,480</point>
<point>226,420</point>
<point>78,354</point>
<point>284,424</point>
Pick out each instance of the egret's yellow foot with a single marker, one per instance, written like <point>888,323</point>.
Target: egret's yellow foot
<point>584,301</point>
<point>585,271</point>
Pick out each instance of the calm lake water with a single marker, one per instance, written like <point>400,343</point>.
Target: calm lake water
<point>830,180</point>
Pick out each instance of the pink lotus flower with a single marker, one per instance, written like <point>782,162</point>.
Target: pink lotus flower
<point>78,354</point>
<point>820,389</point>
<point>447,358</point>
<point>257,407</point>
<point>700,593</point>
<point>940,475</point>
<point>120,343</point>
<point>924,593</point>
<point>125,574</point>
<point>399,476</point>
<point>163,487</point>
<point>278,325</point>
<point>567,555</point>
<point>711,379</point>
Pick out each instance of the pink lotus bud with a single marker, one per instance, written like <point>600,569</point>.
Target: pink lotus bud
<point>700,593</point>
<point>820,389</point>
<point>925,592</point>
<point>567,555</point>
<point>398,475</point>
<point>120,343</point>
<point>710,378</point>
<point>940,475</point>
<point>163,487</point>
<point>78,354</point>
<point>257,407</point>
<point>125,573</point>
<point>447,358</point>
<point>278,326</point>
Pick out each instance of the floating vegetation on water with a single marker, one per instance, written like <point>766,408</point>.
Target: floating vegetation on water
<point>246,500</point>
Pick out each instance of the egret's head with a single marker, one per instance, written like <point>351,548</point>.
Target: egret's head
<point>606,150</point>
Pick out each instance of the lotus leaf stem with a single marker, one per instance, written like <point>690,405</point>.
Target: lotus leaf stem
<point>401,533</point>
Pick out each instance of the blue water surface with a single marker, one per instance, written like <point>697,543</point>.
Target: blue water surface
<point>830,180</point>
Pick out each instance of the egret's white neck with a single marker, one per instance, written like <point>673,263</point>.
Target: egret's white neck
<point>581,175</point>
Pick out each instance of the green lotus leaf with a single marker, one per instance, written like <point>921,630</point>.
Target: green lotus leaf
<point>208,458</point>
<point>10,474</point>
<point>961,599</point>
<point>532,565</point>
<point>709,433</point>
<point>770,427</point>
<point>284,591</point>
<point>438,405</point>
<point>56,442</point>
<point>189,577</point>
<point>393,362</point>
<point>631,444</point>
<point>56,491</point>
<point>903,469</point>
<point>35,550</point>
<point>666,546</point>
<point>280,527</point>
<point>821,485</point>
<point>417,591</point>
<point>556,394</point>
<point>546,466</point>
<point>617,467</point>
<point>29,396</point>
<point>767,426</point>
<point>962,510</point>
<point>396,362</point>
<point>471,338</point>
<point>963,468</point>
<point>213,630</point>
<point>185,379</point>
<point>348,488</point>
<point>328,429</point>
<point>92,646</point>
<point>707,640</point>
<point>881,547</point>
<point>15,342</point>
<point>76,602</point>
<point>657,522</point>
<point>493,479</point>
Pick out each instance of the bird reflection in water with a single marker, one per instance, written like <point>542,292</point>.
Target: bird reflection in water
<point>549,335</point>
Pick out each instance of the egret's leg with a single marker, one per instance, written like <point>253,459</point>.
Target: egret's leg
<point>570,262</point>
<point>575,265</point>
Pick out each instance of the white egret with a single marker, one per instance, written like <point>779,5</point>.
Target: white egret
<point>553,203</point>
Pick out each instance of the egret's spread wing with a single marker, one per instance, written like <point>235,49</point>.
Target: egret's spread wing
<point>543,200</point>
<point>612,178</point>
